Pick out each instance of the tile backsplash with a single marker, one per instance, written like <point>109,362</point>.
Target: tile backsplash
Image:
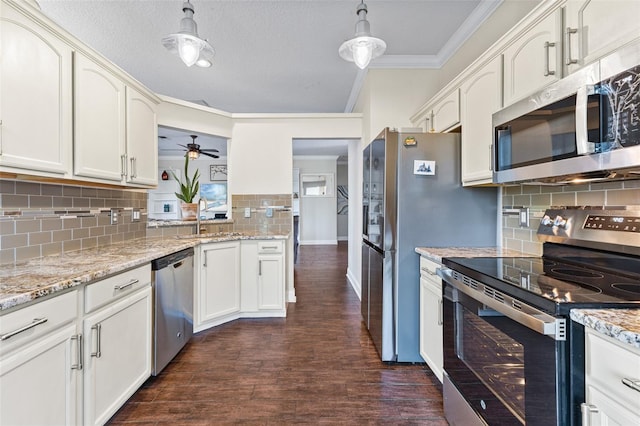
<point>37,219</point>
<point>281,220</point>
<point>538,198</point>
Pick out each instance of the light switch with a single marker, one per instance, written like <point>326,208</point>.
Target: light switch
<point>247,212</point>
<point>269,212</point>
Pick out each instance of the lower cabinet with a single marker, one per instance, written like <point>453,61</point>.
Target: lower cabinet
<point>117,353</point>
<point>431,317</point>
<point>612,381</point>
<point>217,292</point>
<point>40,367</point>
<point>263,283</point>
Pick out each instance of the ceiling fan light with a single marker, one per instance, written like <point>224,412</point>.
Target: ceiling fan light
<point>193,155</point>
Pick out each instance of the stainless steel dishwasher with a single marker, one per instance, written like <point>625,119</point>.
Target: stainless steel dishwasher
<point>173,306</point>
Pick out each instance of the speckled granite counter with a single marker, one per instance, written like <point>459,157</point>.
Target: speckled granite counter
<point>437,253</point>
<point>26,281</point>
<point>621,324</point>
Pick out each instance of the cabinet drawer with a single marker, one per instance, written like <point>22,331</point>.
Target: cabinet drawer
<point>428,270</point>
<point>104,291</point>
<point>270,247</point>
<point>607,363</point>
<point>26,324</point>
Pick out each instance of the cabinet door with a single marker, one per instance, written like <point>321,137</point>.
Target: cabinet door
<point>446,113</point>
<point>99,144</point>
<point>218,290</point>
<point>534,60</point>
<point>481,96</point>
<point>431,326</point>
<point>36,97</point>
<point>142,139</point>
<point>38,382</point>
<point>597,27</point>
<point>270,282</point>
<point>117,355</point>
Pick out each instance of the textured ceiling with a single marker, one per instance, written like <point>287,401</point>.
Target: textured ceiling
<point>272,56</point>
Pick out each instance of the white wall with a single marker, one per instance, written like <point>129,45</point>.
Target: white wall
<point>318,218</point>
<point>342,178</point>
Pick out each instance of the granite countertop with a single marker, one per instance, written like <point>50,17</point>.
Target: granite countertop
<point>437,253</point>
<point>621,324</point>
<point>23,282</point>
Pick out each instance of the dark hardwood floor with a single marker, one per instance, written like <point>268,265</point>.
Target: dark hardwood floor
<point>317,366</point>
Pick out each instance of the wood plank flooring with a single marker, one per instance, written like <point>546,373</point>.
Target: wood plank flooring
<point>317,366</point>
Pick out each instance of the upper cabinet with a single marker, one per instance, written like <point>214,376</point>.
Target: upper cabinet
<point>62,101</point>
<point>481,96</point>
<point>533,60</point>
<point>594,28</point>
<point>446,113</point>
<point>36,102</point>
<point>99,97</point>
<point>142,139</point>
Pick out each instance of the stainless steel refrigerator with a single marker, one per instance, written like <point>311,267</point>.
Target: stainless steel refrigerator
<point>413,197</point>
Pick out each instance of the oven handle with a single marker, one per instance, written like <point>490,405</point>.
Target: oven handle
<point>524,314</point>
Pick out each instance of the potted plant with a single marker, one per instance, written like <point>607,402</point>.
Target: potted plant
<point>188,190</point>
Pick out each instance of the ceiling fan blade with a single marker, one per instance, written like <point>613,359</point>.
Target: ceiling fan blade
<point>184,146</point>
<point>212,150</point>
<point>209,155</point>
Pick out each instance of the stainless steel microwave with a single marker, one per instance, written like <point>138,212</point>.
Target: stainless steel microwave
<point>584,127</point>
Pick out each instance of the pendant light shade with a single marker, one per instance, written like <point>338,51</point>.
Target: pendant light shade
<point>363,47</point>
<point>186,43</point>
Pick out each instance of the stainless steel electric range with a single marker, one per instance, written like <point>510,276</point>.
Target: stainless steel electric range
<point>511,354</point>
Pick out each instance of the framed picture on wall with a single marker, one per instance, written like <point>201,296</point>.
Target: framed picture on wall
<point>217,172</point>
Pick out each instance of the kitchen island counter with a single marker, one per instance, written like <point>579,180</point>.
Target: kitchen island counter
<point>620,324</point>
<point>25,281</point>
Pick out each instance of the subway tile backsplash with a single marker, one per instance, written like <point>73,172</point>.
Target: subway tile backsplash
<point>38,219</point>
<point>538,198</point>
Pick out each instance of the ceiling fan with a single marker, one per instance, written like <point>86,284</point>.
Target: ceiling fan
<point>194,151</point>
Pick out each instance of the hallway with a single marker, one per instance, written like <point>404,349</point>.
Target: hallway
<point>317,366</point>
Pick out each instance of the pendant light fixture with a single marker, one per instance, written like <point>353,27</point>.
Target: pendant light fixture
<point>363,47</point>
<point>186,43</point>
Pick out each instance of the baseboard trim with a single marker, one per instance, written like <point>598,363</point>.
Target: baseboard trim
<point>353,282</point>
<point>319,242</point>
<point>345,238</point>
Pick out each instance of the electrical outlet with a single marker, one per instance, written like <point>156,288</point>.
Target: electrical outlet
<point>114,216</point>
<point>135,215</point>
<point>524,217</point>
<point>247,212</point>
<point>269,212</point>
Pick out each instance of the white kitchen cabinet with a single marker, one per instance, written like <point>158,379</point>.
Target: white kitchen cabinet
<point>446,113</point>
<point>36,96</point>
<point>431,348</point>
<point>594,28</point>
<point>217,292</point>
<point>481,96</point>
<point>608,400</point>
<point>40,366</point>
<point>534,60</point>
<point>262,277</point>
<point>99,99</point>
<point>117,342</point>
<point>142,139</point>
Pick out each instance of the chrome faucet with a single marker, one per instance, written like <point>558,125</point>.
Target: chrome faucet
<point>200,209</point>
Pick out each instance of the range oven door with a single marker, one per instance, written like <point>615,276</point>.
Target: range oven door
<point>507,373</point>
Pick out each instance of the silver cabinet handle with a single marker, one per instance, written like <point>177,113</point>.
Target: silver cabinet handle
<point>568,60</point>
<point>270,248</point>
<point>440,313</point>
<point>133,167</point>
<point>547,71</point>
<point>123,165</point>
<point>129,284</point>
<point>35,322</point>
<point>632,383</point>
<point>586,410</point>
<point>260,267</point>
<point>78,364</point>
<point>98,328</point>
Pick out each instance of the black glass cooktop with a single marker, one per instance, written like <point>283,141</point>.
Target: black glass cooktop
<point>563,275</point>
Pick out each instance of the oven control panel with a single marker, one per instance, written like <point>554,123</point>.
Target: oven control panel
<point>613,223</point>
